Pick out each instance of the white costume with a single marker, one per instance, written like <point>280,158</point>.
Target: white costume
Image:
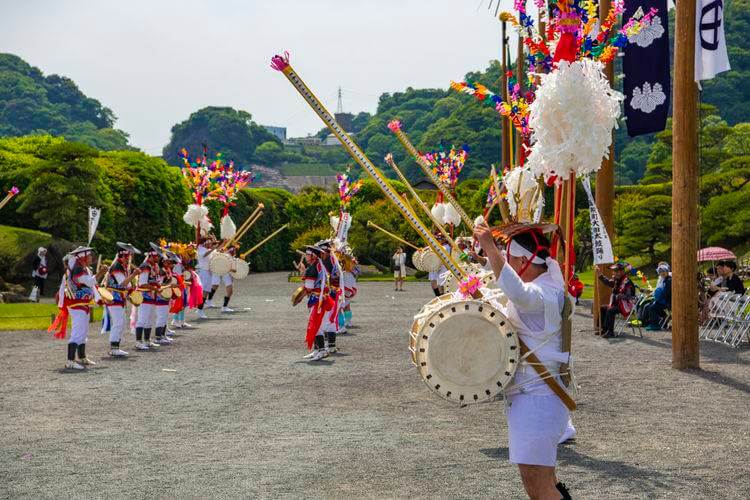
<point>537,418</point>
<point>202,267</point>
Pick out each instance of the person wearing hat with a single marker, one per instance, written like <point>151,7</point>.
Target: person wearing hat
<point>149,281</point>
<point>39,272</point>
<point>536,291</point>
<point>75,297</point>
<point>621,300</point>
<point>315,283</point>
<point>654,312</point>
<point>117,281</point>
<point>167,260</point>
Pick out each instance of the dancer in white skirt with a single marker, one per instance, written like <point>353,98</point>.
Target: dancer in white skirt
<point>537,418</point>
<point>118,282</point>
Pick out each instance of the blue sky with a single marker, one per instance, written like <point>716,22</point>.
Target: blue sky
<point>154,62</point>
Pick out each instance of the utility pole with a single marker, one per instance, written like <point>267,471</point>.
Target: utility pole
<point>685,347</point>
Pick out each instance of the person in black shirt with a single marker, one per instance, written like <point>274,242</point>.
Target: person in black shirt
<point>730,280</point>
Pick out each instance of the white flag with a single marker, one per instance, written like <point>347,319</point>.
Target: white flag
<point>600,243</point>
<point>94,214</point>
<point>710,44</point>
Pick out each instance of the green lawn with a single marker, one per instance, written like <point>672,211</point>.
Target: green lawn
<point>31,316</point>
<point>15,243</point>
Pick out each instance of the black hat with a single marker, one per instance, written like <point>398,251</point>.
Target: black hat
<point>156,249</point>
<point>314,249</point>
<point>127,247</point>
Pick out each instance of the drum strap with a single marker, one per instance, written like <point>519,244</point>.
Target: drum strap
<point>546,376</point>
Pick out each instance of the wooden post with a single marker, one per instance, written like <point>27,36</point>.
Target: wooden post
<point>605,192</point>
<point>685,349</point>
<point>506,128</point>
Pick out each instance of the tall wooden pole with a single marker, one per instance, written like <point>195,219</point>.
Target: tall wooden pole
<point>605,191</point>
<point>506,130</point>
<point>520,79</point>
<point>685,350</point>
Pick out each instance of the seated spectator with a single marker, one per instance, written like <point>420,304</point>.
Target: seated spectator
<point>654,312</point>
<point>729,280</point>
<point>622,299</point>
<point>575,288</point>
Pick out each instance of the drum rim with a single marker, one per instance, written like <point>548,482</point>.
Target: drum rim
<point>511,364</point>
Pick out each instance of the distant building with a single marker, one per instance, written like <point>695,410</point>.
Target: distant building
<point>331,140</point>
<point>306,141</point>
<point>279,132</point>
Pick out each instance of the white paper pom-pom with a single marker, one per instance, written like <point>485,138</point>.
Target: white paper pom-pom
<point>521,186</point>
<point>228,229</point>
<point>334,220</point>
<point>571,119</point>
<point>195,214</point>
<point>437,211</point>
<point>206,226</point>
<point>451,215</point>
<point>479,220</point>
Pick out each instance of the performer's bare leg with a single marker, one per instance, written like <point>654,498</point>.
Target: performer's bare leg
<point>540,482</point>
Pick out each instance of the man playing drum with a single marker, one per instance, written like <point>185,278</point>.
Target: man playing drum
<point>537,418</point>
<point>118,282</point>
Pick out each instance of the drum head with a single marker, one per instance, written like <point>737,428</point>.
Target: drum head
<point>241,269</point>
<point>467,352</point>
<point>166,293</point>
<point>105,294</point>
<point>416,260</point>
<point>220,263</point>
<point>430,261</point>
<point>186,275</point>
<point>298,295</point>
<point>136,297</point>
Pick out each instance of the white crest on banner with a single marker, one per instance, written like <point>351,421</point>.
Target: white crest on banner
<point>710,44</point>
<point>94,214</point>
<point>649,98</point>
<point>600,243</point>
<point>652,30</point>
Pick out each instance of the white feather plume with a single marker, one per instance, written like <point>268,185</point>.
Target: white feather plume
<point>451,215</point>
<point>228,229</point>
<point>334,220</point>
<point>206,226</point>
<point>195,214</point>
<point>437,211</point>
<point>479,220</point>
<point>521,187</point>
<point>572,118</point>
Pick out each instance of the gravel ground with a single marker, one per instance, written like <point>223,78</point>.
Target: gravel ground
<point>231,410</point>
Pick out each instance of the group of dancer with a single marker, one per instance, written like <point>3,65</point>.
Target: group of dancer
<point>166,283</point>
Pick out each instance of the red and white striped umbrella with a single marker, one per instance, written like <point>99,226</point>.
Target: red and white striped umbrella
<point>715,253</point>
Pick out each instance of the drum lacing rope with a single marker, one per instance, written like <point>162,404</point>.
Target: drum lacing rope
<point>550,373</point>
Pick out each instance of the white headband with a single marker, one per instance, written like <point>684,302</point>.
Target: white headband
<point>517,250</point>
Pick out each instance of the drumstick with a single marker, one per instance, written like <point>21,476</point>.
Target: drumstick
<point>245,226</point>
<point>262,242</point>
<point>372,224</point>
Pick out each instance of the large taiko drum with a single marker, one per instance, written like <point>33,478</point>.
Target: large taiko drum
<point>466,351</point>
<point>240,270</point>
<point>419,319</point>
<point>220,263</point>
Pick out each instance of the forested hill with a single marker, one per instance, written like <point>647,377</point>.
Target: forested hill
<point>32,103</point>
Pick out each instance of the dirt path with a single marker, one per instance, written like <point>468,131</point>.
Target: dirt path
<point>231,410</point>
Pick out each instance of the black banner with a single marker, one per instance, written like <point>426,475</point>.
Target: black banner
<point>646,66</point>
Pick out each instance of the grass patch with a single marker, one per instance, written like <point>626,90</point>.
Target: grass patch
<point>15,243</point>
<point>296,169</point>
<point>32,316</point>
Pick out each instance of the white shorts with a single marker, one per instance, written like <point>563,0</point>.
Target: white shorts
<point>224,278</point>
<point>206,279</point>
<point>535,426</point>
